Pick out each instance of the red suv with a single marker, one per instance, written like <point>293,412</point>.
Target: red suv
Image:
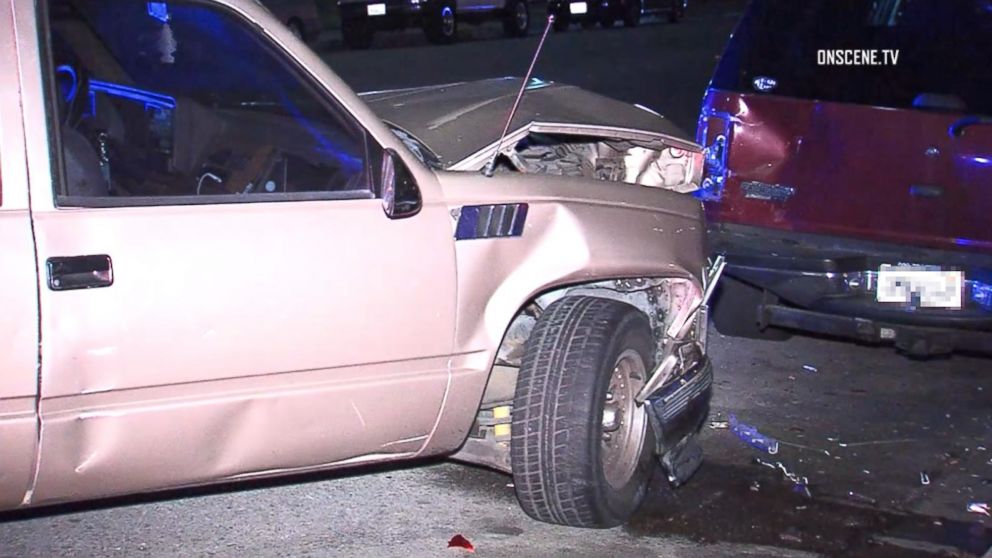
<point>849,172</point>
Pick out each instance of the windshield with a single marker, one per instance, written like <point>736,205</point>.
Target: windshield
<point>939,47</point>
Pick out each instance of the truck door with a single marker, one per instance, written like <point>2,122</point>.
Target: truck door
<point>222,295</point>
<point>18,291</point>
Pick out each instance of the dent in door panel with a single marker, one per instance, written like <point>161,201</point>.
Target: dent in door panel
<point>117,446</point>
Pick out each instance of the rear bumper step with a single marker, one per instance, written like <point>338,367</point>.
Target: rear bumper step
<point>915,340</point>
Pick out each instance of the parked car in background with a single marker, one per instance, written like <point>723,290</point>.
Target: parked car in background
<point>608,12</point>
<point>361,19</point>
<point>849,165</point>
<point>301,16</point>
<point>221,264</point>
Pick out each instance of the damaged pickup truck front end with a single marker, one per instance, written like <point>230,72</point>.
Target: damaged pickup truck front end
<point>603,147</point>
<point>675,394</point>
<point>560,130</point>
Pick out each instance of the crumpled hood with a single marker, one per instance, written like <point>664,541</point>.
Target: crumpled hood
<point>460,119</point>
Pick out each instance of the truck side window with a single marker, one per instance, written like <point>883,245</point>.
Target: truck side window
<point>166,99</point>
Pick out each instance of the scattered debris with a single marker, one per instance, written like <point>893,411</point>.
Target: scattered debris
<point>875,442</point>
<point>804,447</point>
<point>809,368</point>
<point>791,536</point>
<point>979,507</point>
<point>800,484</point>
<point>924,478</point>
<point>509,485</point>
<point>719,425</point>
<point>755,486</point>
<point>752,437</point>
<point>459,541</point>
<point>862,498</point>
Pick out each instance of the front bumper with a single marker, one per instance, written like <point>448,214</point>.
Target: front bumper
<point>677,412</point>
<point>826,285</point>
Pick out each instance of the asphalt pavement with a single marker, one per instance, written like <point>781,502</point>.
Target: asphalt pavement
<point>878,454</point>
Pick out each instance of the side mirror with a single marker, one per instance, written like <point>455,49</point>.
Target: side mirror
<point>400,193</point>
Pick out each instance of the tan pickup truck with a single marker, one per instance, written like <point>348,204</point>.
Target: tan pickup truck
<point>220,263</point>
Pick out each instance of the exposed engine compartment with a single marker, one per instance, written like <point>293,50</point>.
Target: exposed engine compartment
<point>634,162</point>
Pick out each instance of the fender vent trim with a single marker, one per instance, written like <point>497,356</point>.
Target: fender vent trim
<point>491,221</point>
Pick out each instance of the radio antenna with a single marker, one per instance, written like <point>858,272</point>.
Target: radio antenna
<point>491,166</point>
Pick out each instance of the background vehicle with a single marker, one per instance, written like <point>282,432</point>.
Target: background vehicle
<point>360,19</point>
<point>301,16</point>
<point>608,12</point>
<point>221,264</point>
<point>830,185</point>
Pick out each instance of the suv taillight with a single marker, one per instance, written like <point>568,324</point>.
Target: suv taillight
<point>713,133</point>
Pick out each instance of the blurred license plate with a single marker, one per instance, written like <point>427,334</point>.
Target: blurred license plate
<point>578,8</point>
<point>377,9</point>
<point>926,286</point>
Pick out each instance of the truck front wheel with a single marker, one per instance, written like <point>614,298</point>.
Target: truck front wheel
<point>516,21</point>
<point>441,26</point>
<point>581,448</point>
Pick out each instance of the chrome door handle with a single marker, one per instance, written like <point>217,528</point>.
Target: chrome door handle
<point>80,272</point>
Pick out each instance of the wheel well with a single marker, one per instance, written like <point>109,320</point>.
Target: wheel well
<point>660,299</point>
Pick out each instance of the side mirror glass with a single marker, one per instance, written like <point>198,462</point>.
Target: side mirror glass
<point>400,193</point>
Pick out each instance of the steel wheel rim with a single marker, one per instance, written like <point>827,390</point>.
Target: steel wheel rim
<point>522,17</point>
<point>624,422</point>
<point>447,21</point>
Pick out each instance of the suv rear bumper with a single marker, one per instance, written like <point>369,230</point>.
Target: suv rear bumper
<point>400,14</point>
<point>825,286</point>
<point>595,9</point>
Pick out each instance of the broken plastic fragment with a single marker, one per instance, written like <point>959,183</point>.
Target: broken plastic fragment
<point>459,541</point>
<point>861,498</point>
<point>752,437</point>
<point>809,368</point>
<point>979,507</point>
<point>800,484</point>
<point>719,424</point>
<point>924,478</point>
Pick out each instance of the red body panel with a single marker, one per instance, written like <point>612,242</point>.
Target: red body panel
<point>874,173</point>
